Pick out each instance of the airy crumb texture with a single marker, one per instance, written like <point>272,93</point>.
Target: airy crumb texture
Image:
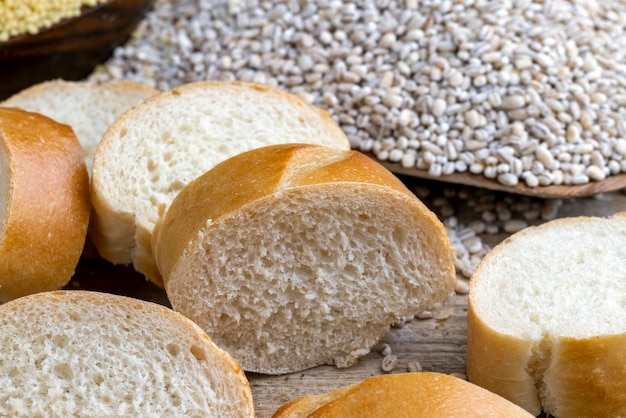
<point>88,354</point>
<point>565,279</point>
<point>546,314</point>
<point>310,268</point>
<point>158,147</point>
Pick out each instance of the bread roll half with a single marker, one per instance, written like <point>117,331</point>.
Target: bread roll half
<point>162,144</point>
<point>44,210</point>
<point>404,395</point>
<point>71,353</point>
<point>292,256</point>
<point>547,318</point>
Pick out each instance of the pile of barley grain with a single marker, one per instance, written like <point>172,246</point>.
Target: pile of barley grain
<point>516,90</point>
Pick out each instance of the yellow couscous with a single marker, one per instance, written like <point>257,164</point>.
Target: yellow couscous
<point>19,17</point>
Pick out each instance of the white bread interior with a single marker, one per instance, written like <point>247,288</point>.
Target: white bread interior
<point>295,255</point>
<point>547,318</point>
<point>159,146</point>
<point>87,107</point>
<point>79,353</point>
<point>44,206</point>
<point>415,395</point>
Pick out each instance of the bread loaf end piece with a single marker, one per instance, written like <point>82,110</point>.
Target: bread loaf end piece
<point>414,395</point>
<point>295,255</point>
<point>44,189</point>
<point>87,353</point>
<point>546,318</point>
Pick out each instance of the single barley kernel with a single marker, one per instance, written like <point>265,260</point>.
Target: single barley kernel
<point>389,363</point>
<point>514,225</point>
<point>414,366</point>
<point>385,350</point>
<point>425,314</point>
<point>461,287</point>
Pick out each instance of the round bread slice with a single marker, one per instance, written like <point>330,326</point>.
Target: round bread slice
<point>44,190</point>
<point>80,353</point>
<point>87,107</point>
<point>547,318</point>
<point>159,146</point>
<point>291,256</point>
<point>404,395</point>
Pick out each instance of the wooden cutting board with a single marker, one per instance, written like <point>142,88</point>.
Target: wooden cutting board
<point>438,344</point>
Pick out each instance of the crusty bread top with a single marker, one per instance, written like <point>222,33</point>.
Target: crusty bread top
<point>296,255</point>
<point>80,353</point>
<point>562,278</point>
<point>44,211</point>
<point>159,146</point>
<point>87,107</point>
<point>402,395</point>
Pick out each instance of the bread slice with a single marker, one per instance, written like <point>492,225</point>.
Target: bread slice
<point>158,147</point>
<point>547,318</point>
<point>80,353</point>
<point>404,395</point>
<point>87,107</point>
<point>44,210</point>
<point>295,255</point>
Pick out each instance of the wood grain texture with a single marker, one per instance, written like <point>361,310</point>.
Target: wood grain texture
<point>610,184</point>
<point>438,344</point>
<point>71,48</point>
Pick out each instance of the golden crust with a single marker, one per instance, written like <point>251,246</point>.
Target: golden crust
<point>404,395</point>
<point>47,207</point>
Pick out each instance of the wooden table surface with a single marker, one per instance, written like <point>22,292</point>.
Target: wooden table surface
<point>438,344</point>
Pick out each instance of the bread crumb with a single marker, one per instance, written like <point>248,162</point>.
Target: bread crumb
<point>443,314</point>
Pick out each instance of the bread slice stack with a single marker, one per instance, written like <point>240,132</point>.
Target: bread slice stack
<point>80,353</point>
<point>87,107</point>
<point>410,395</point>
<point>295,255</point>
<point>150,153</point>
<point>547,318</point>
<point>44,203</point>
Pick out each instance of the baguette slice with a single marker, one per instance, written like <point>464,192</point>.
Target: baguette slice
<point>291,256</point>
<point>547,318</point>
<point>87,107</point>
<point>404,395</point>
<point>80,353</point>
<point>44,191</point>
<point>159,146</point>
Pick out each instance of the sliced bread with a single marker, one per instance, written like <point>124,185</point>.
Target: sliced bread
<point>547,318</point>
<point>87,107</point>
<point>159,146</point>
<point>44,210</point>
<point>404,395</point>
<point>291,256</point>
<point>71,353</point>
